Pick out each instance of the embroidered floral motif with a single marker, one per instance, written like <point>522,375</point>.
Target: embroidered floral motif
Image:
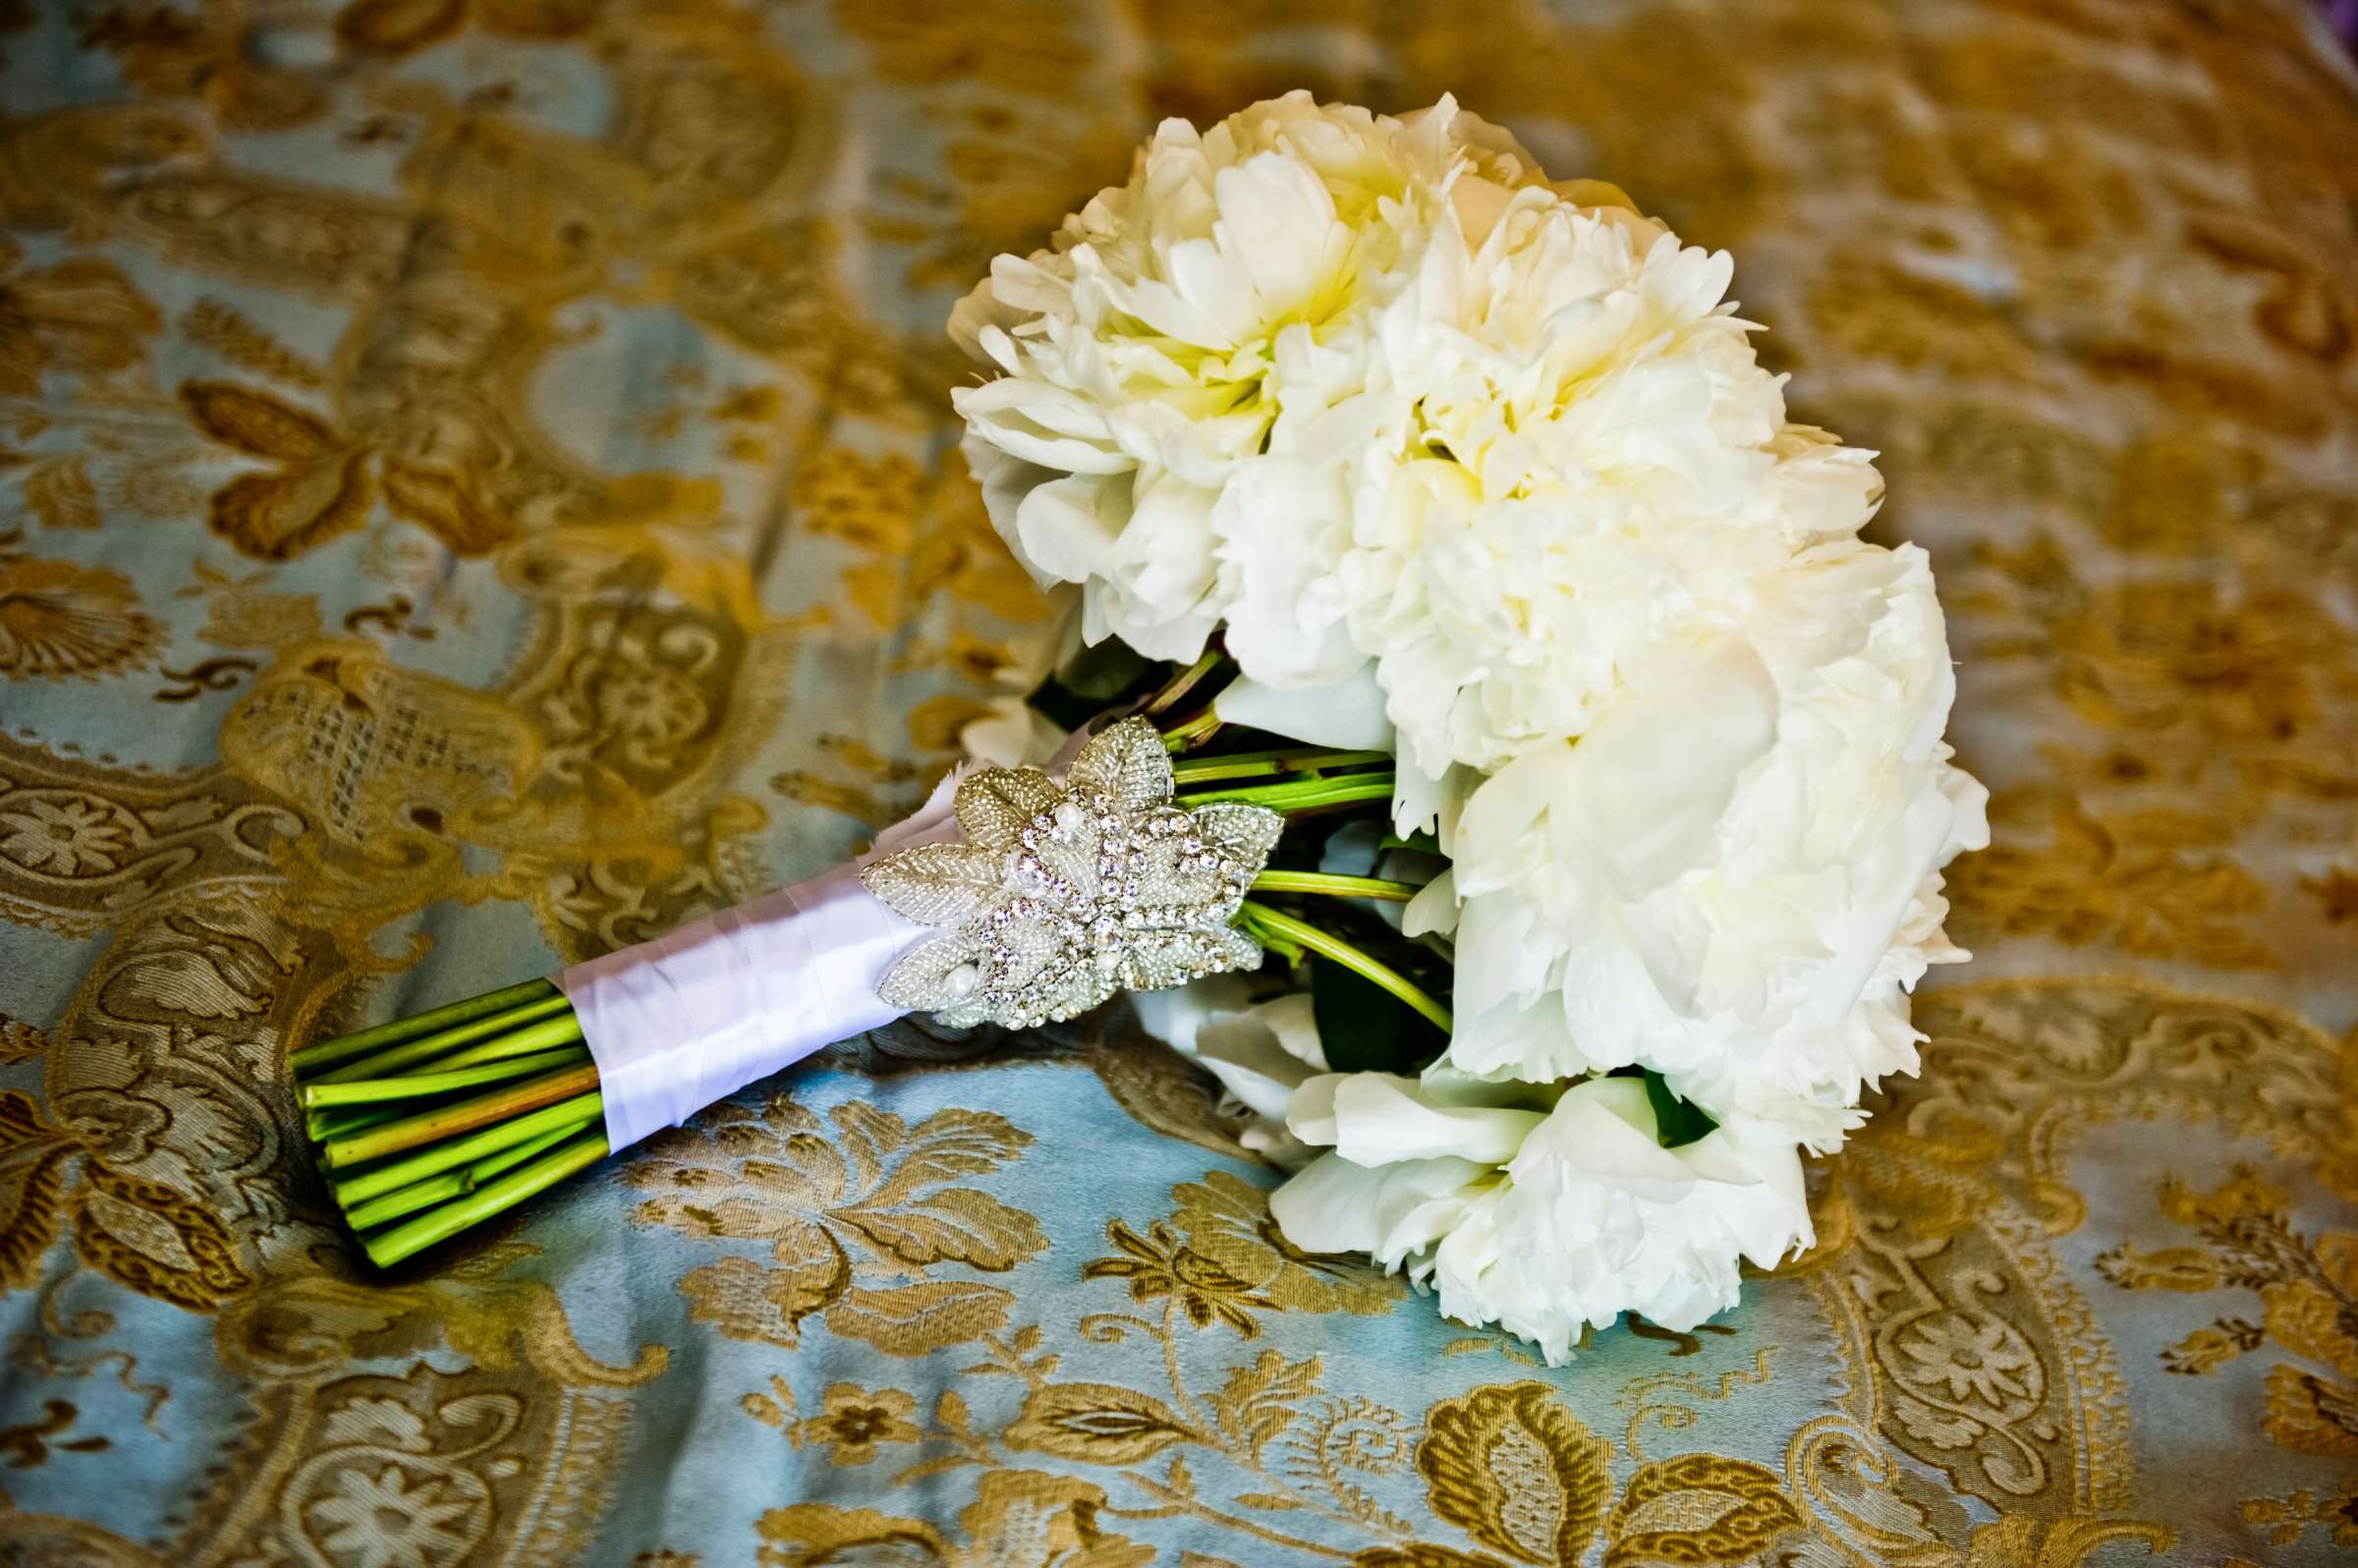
<point>2308,1291</point>
<point>79,315</point>
<point>844,1217</point>
<point>59,619</point>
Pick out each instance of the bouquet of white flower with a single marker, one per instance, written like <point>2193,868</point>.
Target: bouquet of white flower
<point>1466,566</point>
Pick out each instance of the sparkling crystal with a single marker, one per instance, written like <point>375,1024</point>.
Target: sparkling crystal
<point>1023,942</point>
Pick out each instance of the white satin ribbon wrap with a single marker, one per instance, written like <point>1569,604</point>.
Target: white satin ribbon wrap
<point>690,1018</point>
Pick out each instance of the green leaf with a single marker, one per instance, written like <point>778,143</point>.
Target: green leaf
<point>1067,708</point>
<point>1365,1029</point>
<point>1422,842</point>
<point>1676,1121</point>
<point>1107,669</point>
<point>1303,847</point>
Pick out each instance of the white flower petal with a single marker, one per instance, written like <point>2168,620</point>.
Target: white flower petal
<point>1434,911</point>
<point>1347,715</point>
<point>1043,425</point>
<point>1011,733</point>
<point>1249,1053</point>
<point>1379,1118</point>
<point>1391,1213</point>
<point>1278,219</point>
<point>1068,527</point>
<point>1592,1222</point>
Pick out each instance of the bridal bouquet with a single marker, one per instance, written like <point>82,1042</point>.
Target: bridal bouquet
<point>1513,777</point>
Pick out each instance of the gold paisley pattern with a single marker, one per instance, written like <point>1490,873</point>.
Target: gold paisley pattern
<point>77,317</point>
<point>60,619</point>
<point>843,1215</point>
<point>478,488</point>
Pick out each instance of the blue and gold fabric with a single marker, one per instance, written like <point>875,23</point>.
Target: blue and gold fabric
<point>478,488</point>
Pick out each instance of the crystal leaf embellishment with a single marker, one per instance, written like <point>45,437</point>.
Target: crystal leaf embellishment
<point>1063,894</point>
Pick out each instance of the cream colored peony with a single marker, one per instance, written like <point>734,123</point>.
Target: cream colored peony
<point>1483,470</point>
<point>1544,1209</point>
<point>1378,398</point>
<point>1196,340</point>
<point>1732,877</point>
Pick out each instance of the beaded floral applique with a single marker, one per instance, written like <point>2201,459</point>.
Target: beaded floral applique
<point>1062,895</point>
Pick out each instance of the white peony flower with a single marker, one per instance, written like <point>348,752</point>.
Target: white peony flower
<point>1732,877</point>
<point>1371,391</point>
<point>1186,371</point>
<point>1576,462</point>
<point>1544,1209</point>
<point>1162,341</point>
<point>1259,1053</point>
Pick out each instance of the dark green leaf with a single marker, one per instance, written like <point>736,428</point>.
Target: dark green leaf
<point>1365,1029</point>
<point>1094,681</point>
<point>1108,670</point>
<point>1303,845</point>
<point>1067,708</point>
<point>1676,1121</point>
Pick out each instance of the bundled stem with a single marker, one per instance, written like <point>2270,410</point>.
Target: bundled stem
<point>431,1124</point>
<point>1190,733</point>
<point>329,1053</point>
<point>1301,797</point>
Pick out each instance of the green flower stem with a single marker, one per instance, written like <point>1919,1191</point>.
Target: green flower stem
<point>1257,918</point>
<point>510,1100</point>
<point>445,1121</point>
<point>453,1184</point>
<point>418,1194</point>
<point>482,1170</point>
<point>356,1190</point>
<point>311,1059</point>
<point>1335,886</point>
<point>1188,734</point>
<point>400,1058</point>
<point>420,1085</point>
<point>439,1223</point>
<point>1184,682</point>
<point>546,1034</point>
<point>1302,796</point>
<point>1264,764</point>
<point>325,1124</point>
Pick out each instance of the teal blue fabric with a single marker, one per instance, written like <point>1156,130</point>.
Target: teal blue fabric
<point>478,489</point>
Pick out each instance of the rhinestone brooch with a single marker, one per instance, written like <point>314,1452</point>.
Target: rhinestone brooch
<point>1063,894</point>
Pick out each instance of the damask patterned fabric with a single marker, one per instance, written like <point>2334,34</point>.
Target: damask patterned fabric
<point>476,487</point>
